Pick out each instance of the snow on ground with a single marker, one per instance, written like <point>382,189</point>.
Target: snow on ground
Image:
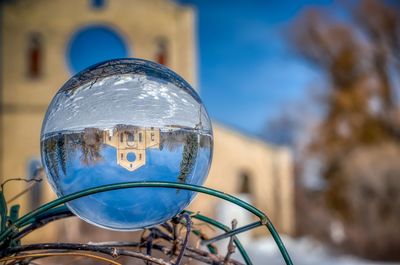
<point>303,251</point>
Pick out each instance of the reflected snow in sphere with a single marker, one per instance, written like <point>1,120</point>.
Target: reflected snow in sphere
<point>121,121</point>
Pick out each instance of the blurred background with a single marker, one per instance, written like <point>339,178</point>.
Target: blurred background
<point>304,97</point>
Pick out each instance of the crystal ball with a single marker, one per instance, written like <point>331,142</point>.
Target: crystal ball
<point>127,120</point>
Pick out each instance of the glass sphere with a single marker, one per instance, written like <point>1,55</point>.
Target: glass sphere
<point>122,121</point>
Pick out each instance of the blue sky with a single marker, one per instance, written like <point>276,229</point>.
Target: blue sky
<point>247,70</point>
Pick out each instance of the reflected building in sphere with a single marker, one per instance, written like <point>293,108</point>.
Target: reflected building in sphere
<point>47,41</point>
<point>132,142</point>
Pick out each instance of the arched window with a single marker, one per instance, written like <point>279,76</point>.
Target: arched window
<point>131,136</point>
<point>162,51</point>
<point>35,55</point>
<point>244,183</point>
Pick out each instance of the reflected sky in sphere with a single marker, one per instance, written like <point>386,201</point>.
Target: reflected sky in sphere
<point>120,121</point>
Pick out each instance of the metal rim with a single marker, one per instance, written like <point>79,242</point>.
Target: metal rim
<point>154,184</point>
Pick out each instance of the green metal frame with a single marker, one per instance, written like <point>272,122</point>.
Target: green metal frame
<point>10,224</point>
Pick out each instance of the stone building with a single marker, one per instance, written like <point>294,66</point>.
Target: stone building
<point>40,39</point>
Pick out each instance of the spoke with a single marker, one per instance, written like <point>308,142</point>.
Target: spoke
<point>232,233</point>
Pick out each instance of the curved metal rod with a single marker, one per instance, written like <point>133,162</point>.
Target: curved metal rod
<point>41,222</point>
<point>154,184</point>
<point>112,249</point>
<point>47,255</point>
<point>232,233</point>
<point>63,212</point>
<point>62,209</point>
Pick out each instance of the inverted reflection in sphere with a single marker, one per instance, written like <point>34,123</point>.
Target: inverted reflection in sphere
<point>122,121</point>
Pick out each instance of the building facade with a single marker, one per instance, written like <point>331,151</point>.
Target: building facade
<point>42,42</point>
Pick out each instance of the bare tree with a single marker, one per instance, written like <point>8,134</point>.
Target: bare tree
<point>358,140</point>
